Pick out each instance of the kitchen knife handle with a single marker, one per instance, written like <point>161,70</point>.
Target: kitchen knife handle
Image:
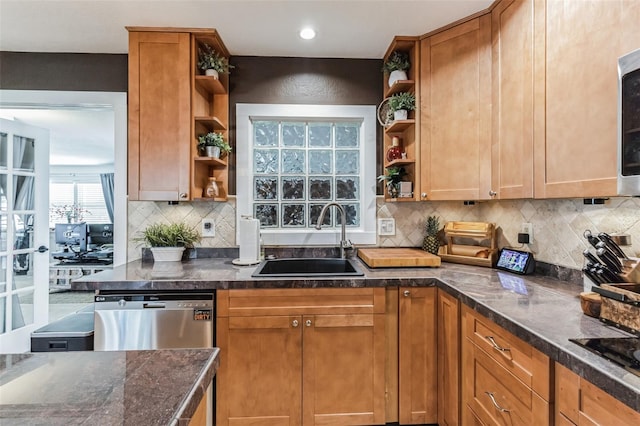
<point>612,245</point>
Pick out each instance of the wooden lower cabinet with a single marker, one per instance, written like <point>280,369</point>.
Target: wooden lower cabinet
<point>323,364</point>
<point>418,392</point>
<point>448,359</point>
<point>579,402</point>
<point>504,379</point>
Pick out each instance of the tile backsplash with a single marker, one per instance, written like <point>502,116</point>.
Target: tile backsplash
<point>557,224</point>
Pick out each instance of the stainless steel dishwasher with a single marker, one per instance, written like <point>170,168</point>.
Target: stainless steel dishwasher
<point>153,320</point>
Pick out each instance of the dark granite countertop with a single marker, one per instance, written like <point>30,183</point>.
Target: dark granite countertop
<point>162,387</point>
<point>544,312</point>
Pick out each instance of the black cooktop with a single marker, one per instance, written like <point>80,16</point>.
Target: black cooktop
<point>624,351</point>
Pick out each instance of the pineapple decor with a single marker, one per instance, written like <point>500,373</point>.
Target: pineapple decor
<point>431,244</point>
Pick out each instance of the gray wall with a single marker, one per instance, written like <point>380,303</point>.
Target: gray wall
<point>278,80</point>
<point>63,71</point>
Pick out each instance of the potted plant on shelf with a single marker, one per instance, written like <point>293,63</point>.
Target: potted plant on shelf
<point>213,144</point>
<point>392,177</point>
<point>397,65</point>
<point>211,62</point>
<point>401,103</point>
<point>168,240</point>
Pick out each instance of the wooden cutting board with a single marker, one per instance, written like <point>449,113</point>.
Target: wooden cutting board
<point>397,257</point>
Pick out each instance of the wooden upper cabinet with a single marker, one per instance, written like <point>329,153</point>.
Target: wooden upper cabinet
<point>170,105</point>
<point>513,84</point>
<point>577,47</point>
<point>159,116</point>
<point>455,109</point>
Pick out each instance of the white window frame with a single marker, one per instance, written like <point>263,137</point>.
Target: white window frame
<point>363,234</point>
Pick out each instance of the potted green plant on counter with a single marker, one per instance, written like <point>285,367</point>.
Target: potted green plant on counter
<point>168,240</point>
<point>211,62</point>
<point>213,144</point>
<point>401,103</point>
<point>397,65</point>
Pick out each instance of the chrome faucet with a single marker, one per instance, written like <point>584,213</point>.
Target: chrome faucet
<point>344,243</point>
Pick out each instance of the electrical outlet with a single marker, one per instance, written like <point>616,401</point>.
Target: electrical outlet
<point>527,228</point>
<point>387,226</point>
<point>208,228</point>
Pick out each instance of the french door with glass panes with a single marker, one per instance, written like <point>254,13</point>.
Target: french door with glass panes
<point>24,261</point>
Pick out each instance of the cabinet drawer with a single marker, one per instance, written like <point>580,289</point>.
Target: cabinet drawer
<point>308,301</point>
<point>529,365</point>
<point>496,396</point>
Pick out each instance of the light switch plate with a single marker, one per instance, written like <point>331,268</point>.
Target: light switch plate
<point>208,228</point>
<point>387,226</point>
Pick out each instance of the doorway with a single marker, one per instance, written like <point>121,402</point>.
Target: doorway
<point>80,109</point>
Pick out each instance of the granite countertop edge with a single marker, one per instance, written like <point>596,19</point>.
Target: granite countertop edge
<point>189,405</point>
<point>452,278</point>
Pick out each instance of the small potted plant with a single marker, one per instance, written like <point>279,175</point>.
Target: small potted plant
<point>211,62</point>
<point>397,65</point>
<point>168,240</point>
<point>213,144</point>
<point>401,103</point>
<point>392,178</point>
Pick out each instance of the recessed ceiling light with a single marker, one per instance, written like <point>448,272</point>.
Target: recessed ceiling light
<point>307,33</point>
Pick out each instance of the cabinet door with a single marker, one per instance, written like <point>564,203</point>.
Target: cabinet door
<point>577,47</point>
<point>455,108</point>
<point>448,360</point>
<point>260,371</point>
<point>343,369</point>
<point>418,397</point>
<point>512,114</point>
<point>159,116</point>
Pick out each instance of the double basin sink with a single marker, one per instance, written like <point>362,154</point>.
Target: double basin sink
<point>313,267</point>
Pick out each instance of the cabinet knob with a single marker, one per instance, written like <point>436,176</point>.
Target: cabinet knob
<point>294,323</point>
<point>423,195</point>
<point>308,323</point>
<point>406,293</point>
<point>183,195</point>
<point>492,193</point>
<point>495,403</point>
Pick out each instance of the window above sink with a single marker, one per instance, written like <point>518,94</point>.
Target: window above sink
<point>294,159</point>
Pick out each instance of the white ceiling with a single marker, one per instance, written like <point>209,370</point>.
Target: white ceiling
<point>345,28</point>
<point>77,137</point>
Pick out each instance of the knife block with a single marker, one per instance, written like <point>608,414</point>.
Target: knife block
<point>630,270</point>
<point>470,243</point>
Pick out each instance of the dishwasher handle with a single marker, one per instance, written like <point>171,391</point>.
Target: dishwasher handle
<point>155,305</point>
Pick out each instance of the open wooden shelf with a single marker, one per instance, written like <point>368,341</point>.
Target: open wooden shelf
<point>210,84</point>
<point>212,123</point>
<point>400,86</point>
<point>399,126</point>
<point>212,161</point>
<point>399,162</point>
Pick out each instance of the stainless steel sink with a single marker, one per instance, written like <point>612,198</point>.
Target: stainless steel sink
<point>314,267</point>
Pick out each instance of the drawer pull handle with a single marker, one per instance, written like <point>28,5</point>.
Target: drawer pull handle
<point>495,403</point>
<point>308,323</point>
<point>495,345</point>
<point>294,323</point>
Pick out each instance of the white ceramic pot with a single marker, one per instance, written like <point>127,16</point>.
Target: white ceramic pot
<point>397,75</point>
<point>167,254</point>
<point>400,114</point>
<point>212,151</point>
<point>211,73</point>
